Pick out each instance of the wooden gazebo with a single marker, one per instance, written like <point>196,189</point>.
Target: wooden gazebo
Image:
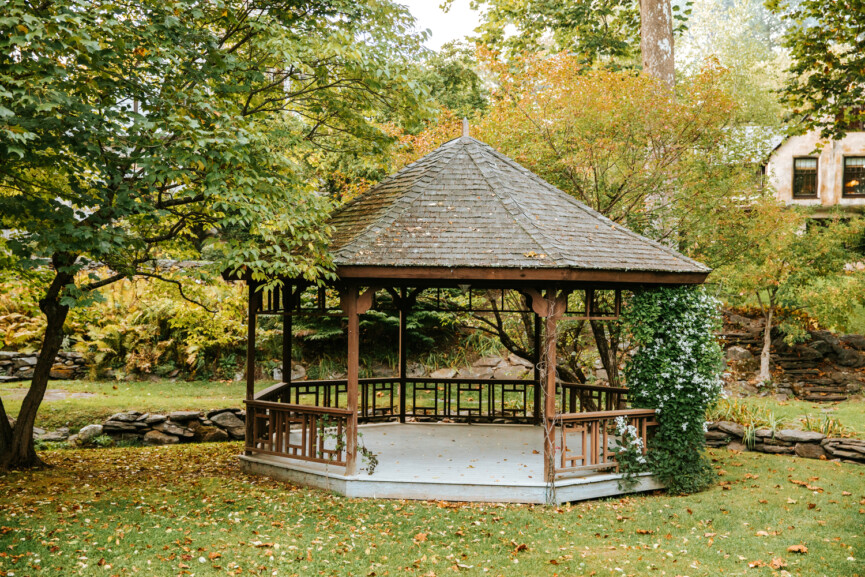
<point>466,218</point>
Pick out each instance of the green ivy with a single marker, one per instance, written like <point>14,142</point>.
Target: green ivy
<point>676,370</point>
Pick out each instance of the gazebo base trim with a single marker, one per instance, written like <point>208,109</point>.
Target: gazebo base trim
<point>442,462</point>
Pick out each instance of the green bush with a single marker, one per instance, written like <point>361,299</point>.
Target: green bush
<point>676,371</point>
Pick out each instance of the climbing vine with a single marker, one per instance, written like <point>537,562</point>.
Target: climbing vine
<point>676,370</point>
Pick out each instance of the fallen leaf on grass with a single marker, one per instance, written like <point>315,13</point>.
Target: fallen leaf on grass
<point>777,563</point>
<point>420,538</point>
<point>797,549</point>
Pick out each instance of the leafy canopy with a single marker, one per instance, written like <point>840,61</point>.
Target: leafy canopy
<point>128,131</point>
<point>826,82</point>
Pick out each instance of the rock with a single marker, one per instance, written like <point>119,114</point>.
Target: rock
<point>822,347</point>
<point>73,440</point>
<point>111,426</point>
<point>782,397</point>
<point>601,375</point>
<point>446,373</point>
<point>736,446</point>
<point>733,429</point>
<point>183,416</point>
<point>90,432</point>
<point>38,431</point>
<point>160,438</point>
<point>298,372</point>
<point>277,375</point>
<point>210,414</point>
<point>416,370</point>
<point>520,361</point>
<point>487,362</point>
<point>809,450</point>
<point>127,417</point>
<point>794,436</point>
<point>24,362</point>
<point>763,432</point>
<point>226,420</point>
<point>153,419</point>
<point>716,435</point>
<point>825,336</point>
<point>8,355</point>
<point>737,353</point>
<point>210,434</point>
<point>238,433</point>
<point>469,373</point>
<point>61,372</point>
<point>850,358</point>
<point>174,429</point>
<point>55,436</point>
<point>773,449</point>
<point>855,341</point>
<point>509,372</point>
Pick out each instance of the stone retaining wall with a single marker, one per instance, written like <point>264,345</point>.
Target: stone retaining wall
<point>16,366</point>
<point>155,429</point>
<point>805,444</point>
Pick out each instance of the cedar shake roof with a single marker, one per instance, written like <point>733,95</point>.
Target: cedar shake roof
<point>466,205</point>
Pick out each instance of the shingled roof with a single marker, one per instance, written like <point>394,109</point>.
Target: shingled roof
<point>465,205</point>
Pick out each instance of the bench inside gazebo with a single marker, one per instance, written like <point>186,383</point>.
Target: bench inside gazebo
<point>468,223</point>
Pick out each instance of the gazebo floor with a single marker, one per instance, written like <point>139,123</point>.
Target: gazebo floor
<point>448,462</point>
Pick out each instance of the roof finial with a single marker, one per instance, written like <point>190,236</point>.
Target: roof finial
<point>465,126</point>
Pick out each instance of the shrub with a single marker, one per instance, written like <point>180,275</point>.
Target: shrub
<point>676,371</point>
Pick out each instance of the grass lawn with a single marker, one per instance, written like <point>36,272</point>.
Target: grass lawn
<point>109,397</point>
<point>850,413</point>
<point>187,510</point>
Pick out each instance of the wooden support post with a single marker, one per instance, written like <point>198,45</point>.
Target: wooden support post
<point>403,345</point>
<point>550,390</point>
<point>350,307</point>
<point>537,372</point>
<point>250,358</point>
<point>286,347</point>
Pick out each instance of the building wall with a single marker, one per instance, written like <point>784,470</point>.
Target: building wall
<point>830,168</point>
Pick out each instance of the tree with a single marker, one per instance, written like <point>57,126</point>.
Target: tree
<point>126,127</point>
<point>593,31</point>
<point>826,82</point>
<point>662,164</point>
<point>656,40</point>
<point>453,79</point>
<point>782,254</point>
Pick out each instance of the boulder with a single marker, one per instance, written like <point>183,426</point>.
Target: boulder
<point>160,438</point>
<point>736,446</point>
<point>488,362</point>
<point>850,358</point>
<point>716,435</point>
<point>508,372</point>
<point>809,450</point>
<point>174,429</point>
<point>794,436</point>
<point>57,436</point>
<point>446,373</point>
<point>19,362</point>
<point>238,433</point>
<point>737,354</point>
<point>416,370</point>
<point>226,420</point>
<point>183,416</point>
<point>733,429</point>
<point>127,417</point>
<point>298,372</point>
<point>210,414</point>
<point>520,361</point>
<point>855,341</point>
<point>153,419</point>
<point>90,432</point>
<point>62,372</point>
<point>822,347</point>
<point>112,426</point>
<point>774,449</point>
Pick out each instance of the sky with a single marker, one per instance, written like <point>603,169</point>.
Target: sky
<point>456,24</point>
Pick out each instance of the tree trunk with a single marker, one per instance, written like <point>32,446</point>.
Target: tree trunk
<point>16,450</point>
<point>765,355</point>
<point>656,40</point>
<point>607,347</point>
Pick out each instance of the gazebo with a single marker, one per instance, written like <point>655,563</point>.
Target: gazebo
<point>462,220</point>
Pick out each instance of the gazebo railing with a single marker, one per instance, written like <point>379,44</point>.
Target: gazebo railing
<point>586,440</point>
<point>303,432</point>
<point>582,398</point>
<point>458,400</point>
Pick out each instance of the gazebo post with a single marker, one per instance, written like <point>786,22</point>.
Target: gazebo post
<point>352,375</point>
<point>403,334</point>
<point>286,336</point>
<point>250,358</point>
<point>537,370</point>
<point>550,389</point>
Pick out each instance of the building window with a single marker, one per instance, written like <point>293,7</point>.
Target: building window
<point>805,177</point>
<point>854,176</point>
